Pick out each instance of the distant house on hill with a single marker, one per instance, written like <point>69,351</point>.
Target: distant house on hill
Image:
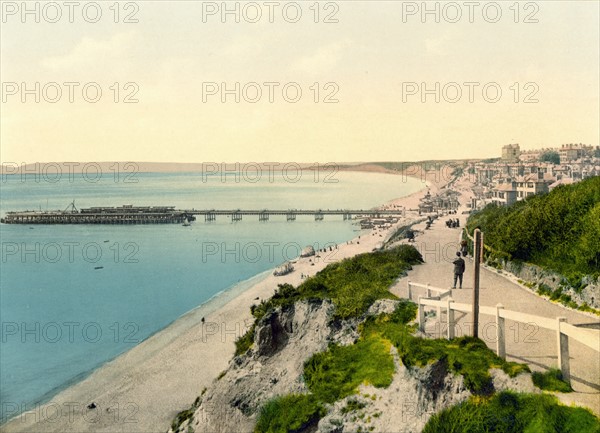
<point>511,152</point>
<point>504,194</point>
<point>571,152</point>
<point>563,181</point>
<point>519,188</point>
<point>529,185</point>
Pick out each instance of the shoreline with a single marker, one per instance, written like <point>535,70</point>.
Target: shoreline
<point>143,388</point>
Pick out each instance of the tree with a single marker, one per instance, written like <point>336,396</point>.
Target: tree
<point>597,152</point>
<point>588,253</point>
<point>559,230</point>
<point>550,156</point>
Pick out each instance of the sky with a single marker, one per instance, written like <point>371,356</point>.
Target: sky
<point>314,81</point>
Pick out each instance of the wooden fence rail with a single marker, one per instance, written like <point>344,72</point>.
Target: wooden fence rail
<point>563,330</point>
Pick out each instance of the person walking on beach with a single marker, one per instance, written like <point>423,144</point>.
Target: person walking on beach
<point>459,270</point>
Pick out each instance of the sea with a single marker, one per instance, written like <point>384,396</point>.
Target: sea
<point>73,297</point>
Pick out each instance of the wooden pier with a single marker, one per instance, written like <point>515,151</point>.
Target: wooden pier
<point>169,215</point>
<point>121,215</point>
<point>291,214</point>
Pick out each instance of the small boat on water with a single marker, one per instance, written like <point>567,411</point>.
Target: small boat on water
<point>284,269</point>
<point>186,223</point>
<point>98,267</point>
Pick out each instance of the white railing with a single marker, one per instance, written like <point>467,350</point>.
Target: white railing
<point>564,330</point>
<point>441,293</point>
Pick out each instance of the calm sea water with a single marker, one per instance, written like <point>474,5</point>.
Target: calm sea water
<point>74,297</point>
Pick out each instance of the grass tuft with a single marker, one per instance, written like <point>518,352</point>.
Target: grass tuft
<point>290,413</point>
<point>352,285</point>
<point>551,380</point>
<point>467,356</point>
<point>509,412</point>
<point>245,342</point>
<point>182,417</point>
<point>353,405</point>
<point>338,372</point>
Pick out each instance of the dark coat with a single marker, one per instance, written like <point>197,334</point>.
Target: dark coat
<point>459,265</point>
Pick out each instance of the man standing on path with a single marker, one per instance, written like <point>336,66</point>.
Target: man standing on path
<point>459,270</point>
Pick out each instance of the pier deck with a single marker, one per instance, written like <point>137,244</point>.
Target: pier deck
<point>170,215</point>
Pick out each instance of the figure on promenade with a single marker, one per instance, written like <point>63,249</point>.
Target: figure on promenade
<point>459,270</point>
<point>464,249</point>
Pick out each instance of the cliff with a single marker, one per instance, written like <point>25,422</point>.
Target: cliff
<point>274,366</point>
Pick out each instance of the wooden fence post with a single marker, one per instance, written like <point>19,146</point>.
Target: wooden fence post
<point>481,243</point>
<point>477,260</point>
<point>421,315</point>
<point>563,351</point>
<point>450,318</point>
<point>500,342</point>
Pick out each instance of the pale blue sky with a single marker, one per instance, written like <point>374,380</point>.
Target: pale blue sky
<point>368,54</point>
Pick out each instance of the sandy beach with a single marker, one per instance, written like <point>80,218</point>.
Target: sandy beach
<point>144,388</point>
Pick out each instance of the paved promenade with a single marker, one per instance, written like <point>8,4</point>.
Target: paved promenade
<point>525,343</point>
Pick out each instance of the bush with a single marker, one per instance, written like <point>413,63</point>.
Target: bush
<point>289,413</point>
<point>467,356</point>
<point>551,380</point>
<point>337,373</point>
<point>509,412</point>
<point>559,231</point>
<point>544,290</point>
<point>245,342</point>
<point>550,156</point>
<point>352,285</point>
<point>353,405</point>
<point>182,417</point>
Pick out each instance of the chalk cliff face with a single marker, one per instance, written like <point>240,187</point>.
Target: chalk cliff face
<point>284,339</point>
<point>590,294</point>
<point>273,366</point>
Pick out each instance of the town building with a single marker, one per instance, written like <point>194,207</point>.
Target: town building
<point>572,152</point>
<point>504,194</point>
<point>511,152</point>
<point>517,175</point>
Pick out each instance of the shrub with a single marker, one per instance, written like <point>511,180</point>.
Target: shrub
<point>551,380</point>
<point>245,342</point>
<point>352,285</point>
<point>509,412</point>
<point>559,231</point>
<point>293,412</point>
<point>467,356</point>
<point>182,417</point>
<point>544,290</point>
<point>337,372</point>
<point>353,405</point>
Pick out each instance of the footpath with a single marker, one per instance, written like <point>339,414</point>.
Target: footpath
<point>525,343</point>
